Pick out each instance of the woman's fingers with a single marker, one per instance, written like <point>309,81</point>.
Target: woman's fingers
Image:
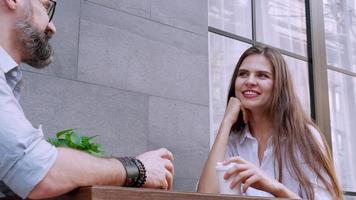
<point>236,159</point>
<point>233,109</point>
<point>244,117</point>
<point>241,177</point>
<point>235,170</point>
<point>245,114</point>
<point>251,180</point>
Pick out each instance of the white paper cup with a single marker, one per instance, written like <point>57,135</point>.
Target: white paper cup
<point>224,185</point>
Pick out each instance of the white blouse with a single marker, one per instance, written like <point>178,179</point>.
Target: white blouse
<point>243,144</point>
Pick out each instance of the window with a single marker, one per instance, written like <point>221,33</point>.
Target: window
<point>340,33</point>
<point>233,16</point>
<point>299,71</point>
<point>235,25</point>
<point>224,54</point>
<point>230,35</point>
<point>340,42</point>
<point>282,24</point>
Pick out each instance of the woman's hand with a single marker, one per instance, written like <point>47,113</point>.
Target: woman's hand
<point>233,109</point>
<point>251,176</point>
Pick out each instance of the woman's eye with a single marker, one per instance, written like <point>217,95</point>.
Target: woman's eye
<point>242,74</point>
<point>263,75</point>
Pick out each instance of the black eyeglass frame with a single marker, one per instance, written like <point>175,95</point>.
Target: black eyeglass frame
<point>51,9</point>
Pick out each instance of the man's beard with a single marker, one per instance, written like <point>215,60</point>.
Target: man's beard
<point>36,49</point>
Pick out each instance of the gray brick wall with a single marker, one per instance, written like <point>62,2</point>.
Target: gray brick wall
<point>134,72</point>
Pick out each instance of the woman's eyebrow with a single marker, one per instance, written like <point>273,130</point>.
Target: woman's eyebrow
<point>265,72</point>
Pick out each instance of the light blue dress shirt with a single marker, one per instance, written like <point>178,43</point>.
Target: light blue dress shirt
<point>25,156</point>
<point>243,144</point>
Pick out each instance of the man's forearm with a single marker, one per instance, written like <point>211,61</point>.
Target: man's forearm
<point>74,169</point>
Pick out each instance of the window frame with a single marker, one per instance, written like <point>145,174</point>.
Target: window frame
<point>317,63</point>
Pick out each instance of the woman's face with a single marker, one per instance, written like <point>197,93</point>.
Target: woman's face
<point>254,82</point>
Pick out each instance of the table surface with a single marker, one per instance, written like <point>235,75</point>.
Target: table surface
<point>122,193</point>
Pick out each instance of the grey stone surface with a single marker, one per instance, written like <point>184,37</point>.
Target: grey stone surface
<point>136,54</point>
<point>191,15</point>
<point>183,128</point>
<point>135,7</point>
<point>185,185</point>
<point>65,42</point>
<point>119,117</point>
<point>134,72</point>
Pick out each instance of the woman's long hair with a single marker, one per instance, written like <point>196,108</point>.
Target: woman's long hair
<point>293,129</point>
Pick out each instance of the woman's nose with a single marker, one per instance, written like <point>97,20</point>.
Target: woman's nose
<point>251,80</point>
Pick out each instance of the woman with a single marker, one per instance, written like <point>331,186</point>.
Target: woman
<point>276,148</point>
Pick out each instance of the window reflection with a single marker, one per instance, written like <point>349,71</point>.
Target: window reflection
<point>224,54</point>
<point>282,24</point>
<point>340,33</point>
<point>342,95</point>
<point>299,72</point>
<point>233,16</point>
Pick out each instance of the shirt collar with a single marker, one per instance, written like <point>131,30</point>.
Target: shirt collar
<point>7,63</point>
<point>245,134</point>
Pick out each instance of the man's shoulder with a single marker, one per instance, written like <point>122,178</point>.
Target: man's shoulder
<point>2,74</point>
<point>6,61</point>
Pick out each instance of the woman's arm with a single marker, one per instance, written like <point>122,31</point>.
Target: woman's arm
<point>208,182</point>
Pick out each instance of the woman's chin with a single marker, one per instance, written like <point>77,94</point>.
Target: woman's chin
<point>251,106</point>
<point>248,107</point>
<point>247,104</point>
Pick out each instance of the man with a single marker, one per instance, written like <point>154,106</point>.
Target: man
<point>29,166</point>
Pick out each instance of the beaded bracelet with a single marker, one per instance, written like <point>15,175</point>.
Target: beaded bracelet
<point>142,173</point>
<point>135,171</point>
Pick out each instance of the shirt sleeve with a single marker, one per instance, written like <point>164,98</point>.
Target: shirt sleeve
<point>25,157</point>
<point>320,191</point>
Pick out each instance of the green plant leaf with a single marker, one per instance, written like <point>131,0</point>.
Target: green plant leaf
<point>75,138</point>
<point>92,137</point>
<point>63,143</point>
<point>71,139</point>
<point>59,134</point>
<point>68,135</point>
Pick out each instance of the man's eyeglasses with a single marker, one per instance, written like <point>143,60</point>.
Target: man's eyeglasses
<point>51,8</point>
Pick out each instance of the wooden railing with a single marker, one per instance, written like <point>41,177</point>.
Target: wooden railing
<point>121,193</point>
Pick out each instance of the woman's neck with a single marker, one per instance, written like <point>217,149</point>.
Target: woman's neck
<point>260,126</point>
<point>261,129</point>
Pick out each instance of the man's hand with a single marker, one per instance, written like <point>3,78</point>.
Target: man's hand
<point>159,167</point>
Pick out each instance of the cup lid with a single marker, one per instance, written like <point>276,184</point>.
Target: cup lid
<point>220,166</point>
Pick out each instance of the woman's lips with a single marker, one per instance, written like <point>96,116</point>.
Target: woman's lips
<point>249,94</point>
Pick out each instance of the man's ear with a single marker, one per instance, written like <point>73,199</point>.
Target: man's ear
<point>12,4</point>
